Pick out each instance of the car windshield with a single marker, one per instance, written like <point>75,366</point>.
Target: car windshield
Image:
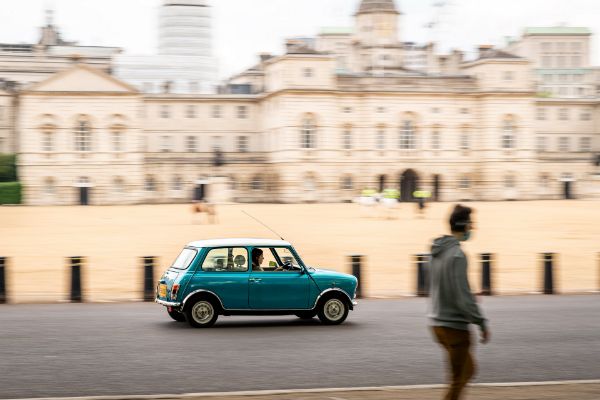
<point>185,258</point>
<point>286,256</point>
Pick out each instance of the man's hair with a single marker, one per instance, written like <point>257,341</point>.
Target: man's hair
<point>459,218</point>
<point>255,254</point>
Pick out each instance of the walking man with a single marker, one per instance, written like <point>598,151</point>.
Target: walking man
<point>453,306</point>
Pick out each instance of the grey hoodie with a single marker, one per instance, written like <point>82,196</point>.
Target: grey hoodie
<point>452,303</point>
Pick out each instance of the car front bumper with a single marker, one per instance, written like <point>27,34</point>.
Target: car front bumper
<point>167,303</point>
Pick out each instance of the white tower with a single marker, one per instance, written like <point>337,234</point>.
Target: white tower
<point>185,28</point>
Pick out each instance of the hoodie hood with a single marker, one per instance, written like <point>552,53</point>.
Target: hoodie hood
<point>442,244</point>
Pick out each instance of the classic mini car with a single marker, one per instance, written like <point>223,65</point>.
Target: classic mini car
<point>251,277</point>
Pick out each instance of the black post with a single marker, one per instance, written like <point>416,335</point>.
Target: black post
<point>486,274</point>
<point>422,261</point>
<point>148,278</point>
<point>548,273</point>
<point>356,262</point>
<point>2,280</point>
<point>76,263</point>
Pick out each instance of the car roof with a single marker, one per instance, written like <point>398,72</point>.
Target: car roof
<point>238,242</point>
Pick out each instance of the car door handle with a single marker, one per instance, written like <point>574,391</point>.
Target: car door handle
<point>257,280</point>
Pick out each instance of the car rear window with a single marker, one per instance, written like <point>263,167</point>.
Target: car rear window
<point>184,259</point>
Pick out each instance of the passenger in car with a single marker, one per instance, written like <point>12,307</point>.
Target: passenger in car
<point>257,259</point>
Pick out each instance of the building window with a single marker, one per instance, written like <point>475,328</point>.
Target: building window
<point>544,180</point>
<point>380,139</point>
<point>217,143</point>
<point>347,110</point>
<point>464,140</point>
<point>242,112</point>
<point>541,114</point>
<point>508,75</point>
<point>308,133</point>
<point>165,144</point>
<point>165,111</point>
<point>190,144</point>
<point>435,139</point>
<point>49,186</point>
<point>48,141</point>
<point>407,136</point>
<point>585,116</point>
<point>216,111</point>
<point>436,110</point>
<point>347,183</point>
<point>242,144</point>
<point>509,181</point>
<point>380,110</point>
<point>1,113</point>
<point>117,141</point>
<point>563,114</point>
<point>150,184</point>
<point>563,144</point>
<point>464,183</point>
<point>347,138</point>
<point>257,183</point>
<point>190,111</point>
<point>508,133</point>
<point>176,183</point>
<point>308,72</point>
<point>585,144</point>
<point>83,136</point>
<point>464,110</point>
<point>541,143</point>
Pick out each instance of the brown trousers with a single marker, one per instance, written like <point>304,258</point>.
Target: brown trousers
<point>457,344</point>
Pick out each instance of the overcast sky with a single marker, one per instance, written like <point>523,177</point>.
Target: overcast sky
<point>244,28</point>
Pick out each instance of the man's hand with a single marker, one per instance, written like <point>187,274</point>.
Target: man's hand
<point>485,336</point>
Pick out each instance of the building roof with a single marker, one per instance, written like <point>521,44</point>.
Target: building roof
<point>377,6</point>
<point>336,30</point>
<point>239,242</point>
<point>497,54</point>
<point>557,31</point>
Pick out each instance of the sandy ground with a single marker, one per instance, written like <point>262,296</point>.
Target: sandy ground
<point>37,241</point>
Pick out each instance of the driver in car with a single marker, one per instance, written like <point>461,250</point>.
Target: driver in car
<point>258,258</point>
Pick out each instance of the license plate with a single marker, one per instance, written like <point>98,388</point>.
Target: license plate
<point>162,290</point>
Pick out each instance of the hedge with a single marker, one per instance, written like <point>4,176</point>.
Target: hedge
<point>8,168</point>
<point>10,193</point>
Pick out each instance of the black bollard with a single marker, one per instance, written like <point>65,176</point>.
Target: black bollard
<point>356,263</point>
<point>2,280</point>
<point>422,261</point>
<point>148,278</point>
<point>486,274</point>
<point>76,263</point>
<point>548,273</point>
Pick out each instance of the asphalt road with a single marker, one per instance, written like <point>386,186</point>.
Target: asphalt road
<point>124,349</point>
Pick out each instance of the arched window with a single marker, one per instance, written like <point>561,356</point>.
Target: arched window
<point>150,184</point>
<point>465,139</point>
<point>435,138</point>
<point>308,132</point>
<point>48,138</point>
<point>508,132</point>
<point>347,138</point>
<point>407,135</point>
<point>117,137</point>
<point>83,135</point>
<point>49,186</point>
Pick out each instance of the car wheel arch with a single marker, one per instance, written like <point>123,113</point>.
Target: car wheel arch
<point>334,292</point>
<point>202,294</point>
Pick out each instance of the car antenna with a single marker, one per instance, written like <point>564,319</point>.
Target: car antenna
<point>256,219</point>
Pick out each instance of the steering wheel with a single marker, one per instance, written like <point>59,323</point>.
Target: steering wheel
<point>287,266</point>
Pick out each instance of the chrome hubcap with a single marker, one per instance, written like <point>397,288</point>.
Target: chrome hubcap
<point>203,312</point>
<point>334,309</point>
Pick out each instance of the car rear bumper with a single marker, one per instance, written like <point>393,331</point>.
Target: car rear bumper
<point>354,303</point>
<point>167,303</point>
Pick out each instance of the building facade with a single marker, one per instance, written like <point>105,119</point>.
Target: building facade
<point>313,124</point>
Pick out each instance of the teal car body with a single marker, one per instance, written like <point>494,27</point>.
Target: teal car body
<point>221,277</point>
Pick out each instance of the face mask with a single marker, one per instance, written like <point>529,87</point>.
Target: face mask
<point>466,236</point>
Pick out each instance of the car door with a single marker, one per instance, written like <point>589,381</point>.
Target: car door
<point>272,289</point>
<point>225,272</point>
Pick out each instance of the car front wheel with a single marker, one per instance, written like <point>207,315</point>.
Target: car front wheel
<point>333,311</point>
<point>176,315</point>
<point>202,313</point>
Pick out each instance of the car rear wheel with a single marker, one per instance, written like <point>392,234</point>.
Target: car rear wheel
<point>202,313</point>
<point>306,314</point>
<point>176,315</point>
<point>333,311</point>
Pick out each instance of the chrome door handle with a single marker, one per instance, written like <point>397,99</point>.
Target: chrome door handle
<point>255,280</point>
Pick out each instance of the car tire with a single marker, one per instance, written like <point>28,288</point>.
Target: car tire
<point>176,315</point>
<point>306,314</point>
<point>202,313</point>
<point>333,310</point>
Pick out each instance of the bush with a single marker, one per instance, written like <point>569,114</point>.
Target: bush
<point>8,168</point>
<point>10,193</point>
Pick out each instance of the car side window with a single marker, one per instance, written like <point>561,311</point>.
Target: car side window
<point>226,259</point>
<point>286,256</point>
<point>268,261</point>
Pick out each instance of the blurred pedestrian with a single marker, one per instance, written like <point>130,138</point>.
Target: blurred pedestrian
<point>453,306</point>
